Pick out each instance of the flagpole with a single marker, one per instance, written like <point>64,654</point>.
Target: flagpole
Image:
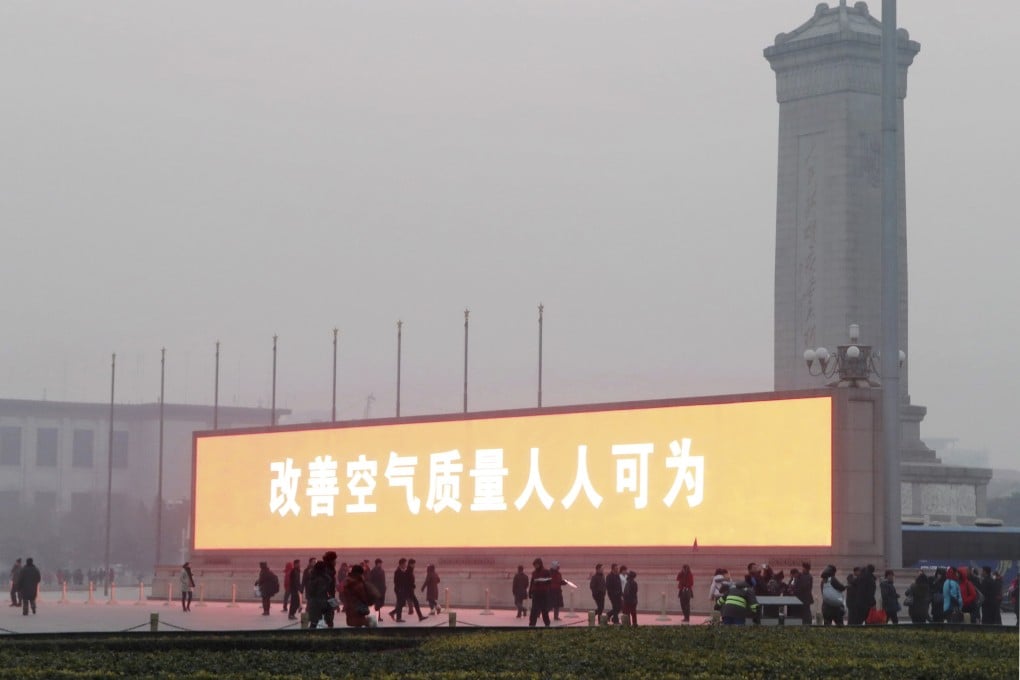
<point>109,477</point>
<point>467,313</point>
<point>159,491</point>
<point>400,329</point>
<point>541,309</point>
<point>272,416</point>
<point>216,390</point>
<point>336,331</point>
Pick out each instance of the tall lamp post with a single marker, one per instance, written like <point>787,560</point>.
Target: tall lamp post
<point>891,286</point>
<point>858,365</point>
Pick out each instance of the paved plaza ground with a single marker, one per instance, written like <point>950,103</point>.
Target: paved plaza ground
<point>131,614</point>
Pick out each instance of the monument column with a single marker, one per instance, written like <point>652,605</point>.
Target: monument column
<point>829,205</point>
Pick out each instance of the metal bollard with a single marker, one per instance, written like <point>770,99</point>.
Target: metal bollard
<point>63,593</point>
<point>452,618</point>
<point>781,619</point>
<point>304,620</point>
<point>662,612</point>
<point>92,593</point>
<point>604,620</point>
<point>486,611</point>
<point>573,614</point>
<point>169,594</point>
<point>141,594</point>
<point>591,619</point>
<point>113,594</point>
<point>233,595</point>
<point>201,594</point>
<point>153,622</point>
<point>446,599</point>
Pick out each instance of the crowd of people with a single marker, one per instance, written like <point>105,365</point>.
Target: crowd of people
<point>951,595</point>
<point>358,591</point>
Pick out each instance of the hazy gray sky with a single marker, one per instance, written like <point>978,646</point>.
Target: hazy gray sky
<point>176,173</point>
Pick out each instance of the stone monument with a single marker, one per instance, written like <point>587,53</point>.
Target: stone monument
<point>829,226</point>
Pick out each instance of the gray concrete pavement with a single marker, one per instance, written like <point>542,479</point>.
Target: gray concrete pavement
<point>131,614</point>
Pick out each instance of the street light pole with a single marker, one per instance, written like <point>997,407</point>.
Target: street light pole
<point>891,288</point>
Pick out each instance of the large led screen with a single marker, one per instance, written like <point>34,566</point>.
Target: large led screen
<point>729,474</point>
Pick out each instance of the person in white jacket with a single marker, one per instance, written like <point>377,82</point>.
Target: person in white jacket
<point>715,589</point>
<point>187,586</point>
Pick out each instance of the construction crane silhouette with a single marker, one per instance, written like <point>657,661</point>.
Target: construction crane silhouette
<point>368,406</point>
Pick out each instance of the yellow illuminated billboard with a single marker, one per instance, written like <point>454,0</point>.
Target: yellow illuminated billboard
<point>752,473</point>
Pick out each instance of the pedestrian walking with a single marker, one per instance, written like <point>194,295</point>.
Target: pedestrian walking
<point>597,584</point>
<point>28,586</point>
<point>15,575</point>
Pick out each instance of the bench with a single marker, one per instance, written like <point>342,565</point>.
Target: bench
<point>781,602</point>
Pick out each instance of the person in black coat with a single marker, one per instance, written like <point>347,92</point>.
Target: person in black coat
<point>317,587</point>
<point>991,588</point>
<point>294,589</point>
<point>918,597</point>
<point>802,590</point>
<point>598,590</point>
<point>399,590</point>
<point>520,590</point>
<point>539,591</point>
<point>853,597</point>
<point>832,597</point>
<point>614,591</point>
<point>268,584</point>
<point>28,585</point>
<point>377,577</point>
<point>869,585</point>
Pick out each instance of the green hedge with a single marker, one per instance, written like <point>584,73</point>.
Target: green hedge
<point>653,652</point>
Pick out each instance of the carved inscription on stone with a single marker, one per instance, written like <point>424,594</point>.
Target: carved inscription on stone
<point>948,499</point>
<point>807,236</point>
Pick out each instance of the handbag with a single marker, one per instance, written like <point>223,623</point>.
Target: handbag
<point>831,596</point>
<point>257,590</point>
<point>876,617</point>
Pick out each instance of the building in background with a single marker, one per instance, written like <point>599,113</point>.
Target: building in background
<point>53,476</point>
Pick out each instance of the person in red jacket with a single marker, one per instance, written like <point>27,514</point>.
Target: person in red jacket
<point>685,590</point>
<point>357,597</point>
<point>968,594</point>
